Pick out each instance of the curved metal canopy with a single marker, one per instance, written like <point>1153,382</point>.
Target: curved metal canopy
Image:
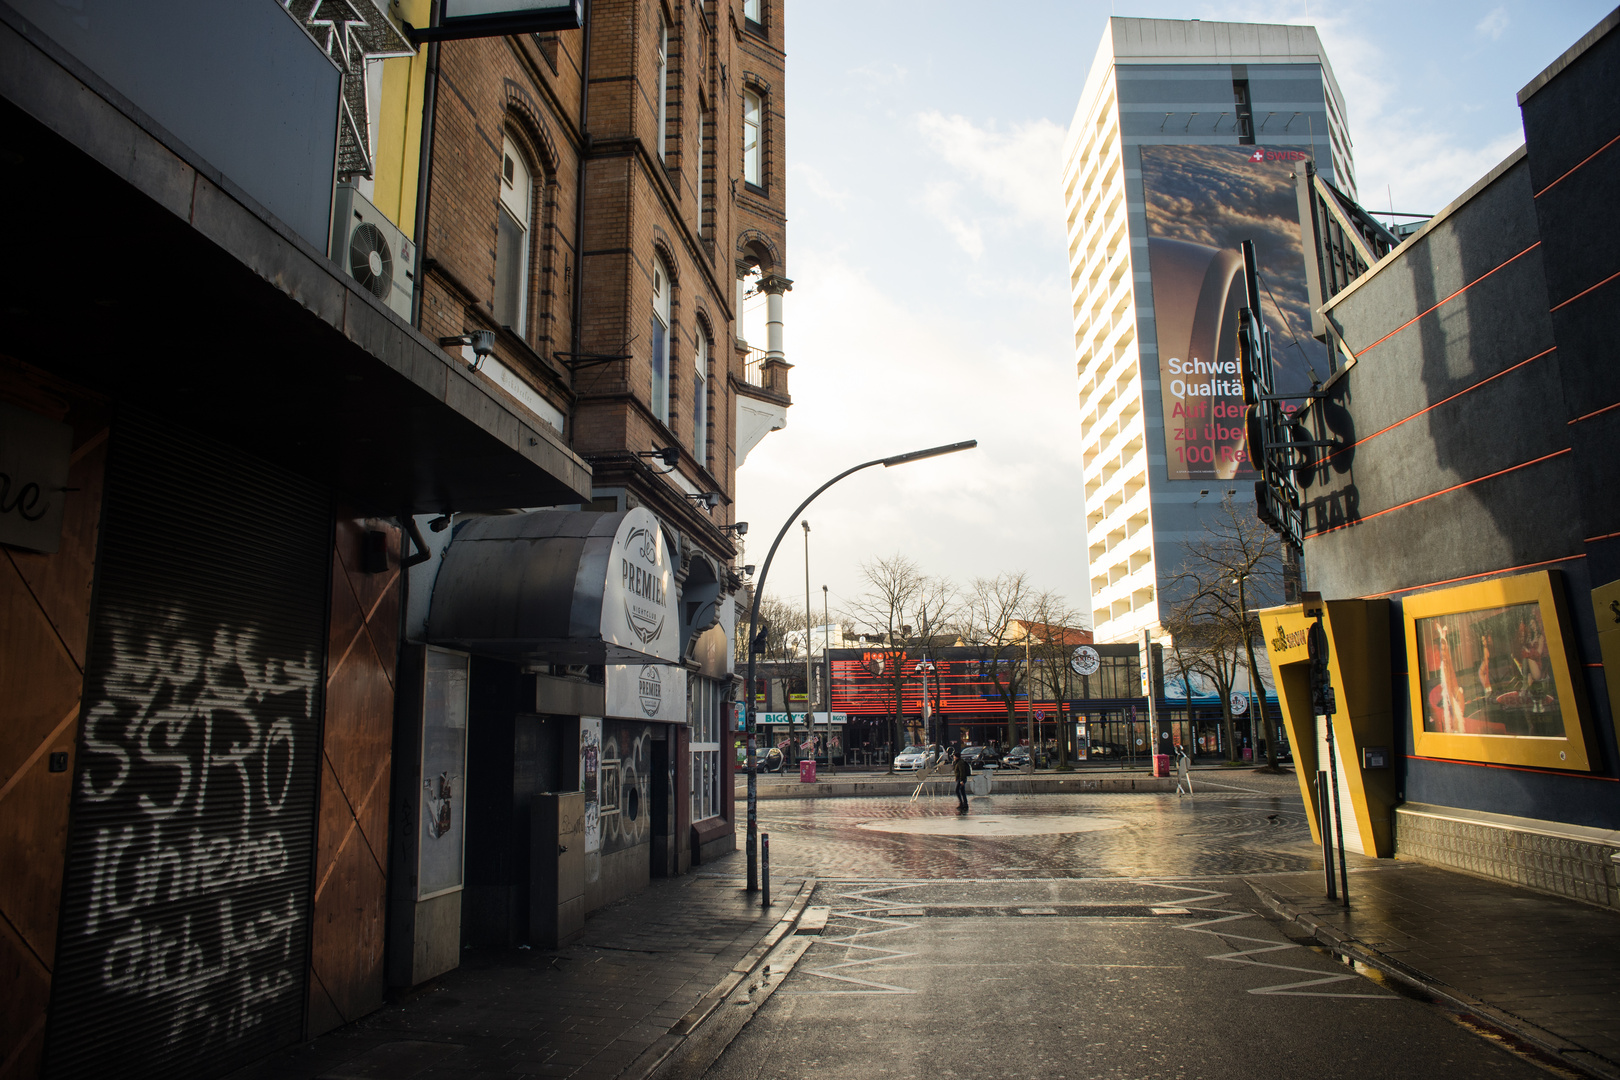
<point>560,587</point>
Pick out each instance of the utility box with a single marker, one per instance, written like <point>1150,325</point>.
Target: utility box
<point>1161,764</point>
<point>807,771</point>
<point>556,868</point>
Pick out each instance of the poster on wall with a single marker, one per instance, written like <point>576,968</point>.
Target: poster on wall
<point>1490,677</point>
<point>444,769</point>
<point>1202,202</point>
<point>590,779</point>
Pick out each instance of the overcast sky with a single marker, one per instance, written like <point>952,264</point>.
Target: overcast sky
<point>926,245</point>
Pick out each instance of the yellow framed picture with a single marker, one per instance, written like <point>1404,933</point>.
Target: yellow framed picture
<point>1488,667</point>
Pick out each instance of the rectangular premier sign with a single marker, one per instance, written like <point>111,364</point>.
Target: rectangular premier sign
<point>495,18</point>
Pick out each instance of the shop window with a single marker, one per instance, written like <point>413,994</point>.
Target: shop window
<point>703,716</point>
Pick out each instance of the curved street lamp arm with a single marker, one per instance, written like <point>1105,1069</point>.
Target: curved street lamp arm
<point>753,629</point>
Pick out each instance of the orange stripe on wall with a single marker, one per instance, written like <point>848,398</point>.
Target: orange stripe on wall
<point>1453,296</point>
<point>1443,491</point>
<point>1469,577</point>
<point>1442,401</point>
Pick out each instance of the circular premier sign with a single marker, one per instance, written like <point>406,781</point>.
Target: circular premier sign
<point>650,688</point>
<point>1085,661</point>
<point>1240,704</point>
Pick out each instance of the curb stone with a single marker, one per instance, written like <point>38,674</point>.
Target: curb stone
<point>652,1058</point>
<point>1564,1051</point>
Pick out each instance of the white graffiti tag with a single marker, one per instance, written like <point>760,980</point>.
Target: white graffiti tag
<point>195,742</point>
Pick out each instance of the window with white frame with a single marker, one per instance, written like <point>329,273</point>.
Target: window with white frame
<point>660,339</point>
<point>702,174</point>
<point>663,85</point>
<point>752,12</point>
<point>753,146</point>
<point>700,399</point>
<point>512,240</point>
<point>703,703</point>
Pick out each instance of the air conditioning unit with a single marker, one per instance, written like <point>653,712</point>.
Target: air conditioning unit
<point>373,250</point>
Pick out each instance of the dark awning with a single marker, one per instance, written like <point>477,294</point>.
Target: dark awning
<point>560,587</point>
<point>137,271</point>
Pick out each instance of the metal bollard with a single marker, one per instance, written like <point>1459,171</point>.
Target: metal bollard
<point>765,869</point>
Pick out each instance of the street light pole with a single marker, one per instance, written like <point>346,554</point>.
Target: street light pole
<point>809,675</point>
<point>826,663</point>
<point>752,765</point>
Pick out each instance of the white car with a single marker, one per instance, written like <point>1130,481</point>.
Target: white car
<point>911,759</point>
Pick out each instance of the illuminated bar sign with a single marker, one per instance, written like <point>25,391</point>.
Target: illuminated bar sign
<point>496,18</point>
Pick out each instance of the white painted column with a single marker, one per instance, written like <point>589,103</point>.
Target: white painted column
<point>773,324</point>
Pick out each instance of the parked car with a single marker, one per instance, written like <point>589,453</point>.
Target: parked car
<point>1018,758</point>
<point>911,759</point>
<point>974,755</point>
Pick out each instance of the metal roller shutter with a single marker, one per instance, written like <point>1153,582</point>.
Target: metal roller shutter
<point>185,913</point>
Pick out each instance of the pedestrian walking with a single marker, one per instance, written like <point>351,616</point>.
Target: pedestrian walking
<point>963,772</point>
<point>1183,772</point>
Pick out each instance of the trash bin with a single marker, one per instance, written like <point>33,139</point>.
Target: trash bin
<point>1161,764</point>
<point>807,771</point>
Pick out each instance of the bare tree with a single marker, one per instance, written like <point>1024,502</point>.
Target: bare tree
<point>1230,571</point>
<point>778,618</point>
<point>896,590</point>
<point>937,607</point>
<point>1056,632</point>
<point>988,616</point>
<point>1201,645</point>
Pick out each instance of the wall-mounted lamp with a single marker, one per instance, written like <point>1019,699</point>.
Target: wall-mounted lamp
<point>440,523</point>
<point>708,499</point>
<point>741,528</point>
<point>748,571</point>
<point>669,455</point>
<point>482,342</point>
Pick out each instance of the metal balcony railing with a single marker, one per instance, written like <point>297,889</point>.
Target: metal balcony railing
<point>754,367</point>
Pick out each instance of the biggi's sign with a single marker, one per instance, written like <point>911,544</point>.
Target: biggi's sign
<point>34,458</point>
<point>638,599</point>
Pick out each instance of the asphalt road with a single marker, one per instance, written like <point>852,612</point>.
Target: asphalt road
<point>1068,937</point>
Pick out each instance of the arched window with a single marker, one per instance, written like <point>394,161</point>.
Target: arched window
<point>512,241</point>
<point>700,398</point>
<point>662,288</point>
<point>663,85</point>
<point>753,146</point>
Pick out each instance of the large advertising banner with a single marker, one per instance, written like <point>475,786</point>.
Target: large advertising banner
<point>1202,202</point>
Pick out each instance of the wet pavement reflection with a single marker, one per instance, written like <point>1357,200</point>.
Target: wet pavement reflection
<point>1249,827</point>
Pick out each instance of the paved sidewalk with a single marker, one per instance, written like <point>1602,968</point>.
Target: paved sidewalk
<point>615,1003</point>
<point>1545,968</point>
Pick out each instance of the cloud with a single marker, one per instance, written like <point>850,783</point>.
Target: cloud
<point>875,75</point>
<point>1493,24</point>
<point>879,372</point>
<point>1017,169</point>
<point>939,199</point>
<point>818,185</point>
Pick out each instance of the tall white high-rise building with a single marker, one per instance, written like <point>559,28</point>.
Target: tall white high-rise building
<point>1190,137</point>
